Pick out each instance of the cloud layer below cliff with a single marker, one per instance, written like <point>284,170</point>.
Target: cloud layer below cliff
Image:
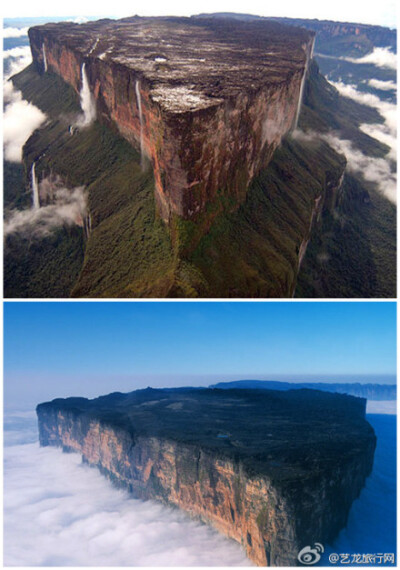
<point>58,512</point>
<point>67,207</point>
<point>385,132</point>
<point>11,32</point>
<point>380,57</point>
<point>20,118</point>
<point>375,170</point>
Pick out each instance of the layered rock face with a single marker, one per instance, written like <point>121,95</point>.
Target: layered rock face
<point>275,471</point>
<point>207,101</point>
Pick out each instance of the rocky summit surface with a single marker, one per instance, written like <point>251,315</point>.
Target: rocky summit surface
<point>190,64</point>
<point>206,101</point>
<point>272,470</point>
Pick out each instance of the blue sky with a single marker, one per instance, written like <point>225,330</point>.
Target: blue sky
<point>65,348</point>
<point>377,13</point>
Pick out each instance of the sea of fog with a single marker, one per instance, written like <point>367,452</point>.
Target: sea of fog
<point>60,512</point>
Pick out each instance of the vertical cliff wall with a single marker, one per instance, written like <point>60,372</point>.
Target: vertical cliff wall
<point>273,517</point>
<point>215,101</point>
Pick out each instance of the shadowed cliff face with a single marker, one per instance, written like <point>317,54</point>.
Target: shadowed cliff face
<point>207,101</point>
<point>274,471</point>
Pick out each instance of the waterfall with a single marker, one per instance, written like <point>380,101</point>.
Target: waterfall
<point>87,101</point>
<point>44,56</point>
<point>303,81</point>
<point>35,189</point>
<point>139,103</point>
<point>94,46</point>
<point>312,48</point>
<point>87,226</point>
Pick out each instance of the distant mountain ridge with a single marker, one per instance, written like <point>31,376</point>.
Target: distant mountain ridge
<point>369,391</point>
<point>332,37</point>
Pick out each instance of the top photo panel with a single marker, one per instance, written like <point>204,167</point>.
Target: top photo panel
<point>218,155</point>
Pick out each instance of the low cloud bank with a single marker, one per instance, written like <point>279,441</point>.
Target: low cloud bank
<point>382,407</point>
<point>386,132</point>
<point>375,170</point>
<point>15,32</point>
<point>20,118</point>
<point>59,512</point>
<point>385,108</point>
<point>382,85</point>
<point>17,59</point>
<point>381,57</point>
<point>63,207</point>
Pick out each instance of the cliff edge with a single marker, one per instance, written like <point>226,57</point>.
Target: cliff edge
<point>276,471</point>
<point>206,101</point>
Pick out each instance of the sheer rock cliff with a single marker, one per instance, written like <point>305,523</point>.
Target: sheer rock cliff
<point>207,101</point>
<point>275,471</point>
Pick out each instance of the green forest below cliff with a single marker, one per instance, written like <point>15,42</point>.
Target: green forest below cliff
<point>250,252</point>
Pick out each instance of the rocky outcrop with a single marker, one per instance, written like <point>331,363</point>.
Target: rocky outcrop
<point>206,101</point>
<point>360,37</point>
<point>275,483</point>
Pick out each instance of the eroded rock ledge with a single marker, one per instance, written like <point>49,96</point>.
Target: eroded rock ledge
<point>207,100</point>
<point>275,471</point>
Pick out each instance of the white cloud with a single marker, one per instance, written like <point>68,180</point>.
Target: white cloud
<point>59,512</point>
<point>20,119</point>
<point>20,58</point>
<point>382,85</point>
<point>386,132</point>
<point>66,207</point>
<point>381,407</point>
<point>79,20</point>
<point>376,170</point>
<point>383,134</point>
<point>15,32</point>
<point>381,57</point>
<point>19,51</point>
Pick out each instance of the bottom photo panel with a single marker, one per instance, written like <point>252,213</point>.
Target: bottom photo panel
<point>199,434</point>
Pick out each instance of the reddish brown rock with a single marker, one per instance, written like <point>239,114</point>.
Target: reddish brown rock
<point>275,471</point>
<point>217,96</point>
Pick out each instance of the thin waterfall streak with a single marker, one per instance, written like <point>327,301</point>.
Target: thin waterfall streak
<point>312,48</point>
<point>303,81</point>
<point>35,189</point>
<point>94,46</point>
<point>44,57</point>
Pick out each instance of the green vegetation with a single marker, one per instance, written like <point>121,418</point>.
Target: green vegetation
<point>16,194</point>
<point>129,251</point>
<point>253,251</point>
<point>324,109</point>
<point>250,252</point>
<point>346,45</point>
<point>353,253</point>
<point>42,268</point>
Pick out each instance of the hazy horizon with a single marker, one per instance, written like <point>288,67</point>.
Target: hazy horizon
<point>87,349</point>
<point>383,14</point>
